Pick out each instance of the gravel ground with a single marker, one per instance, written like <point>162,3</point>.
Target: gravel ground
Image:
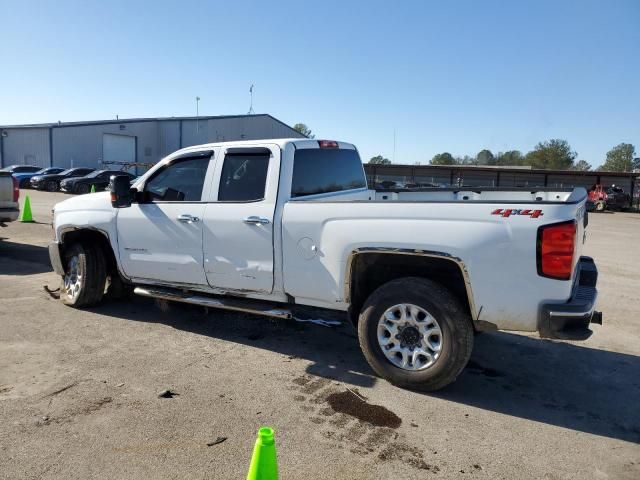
<point>79,389</point>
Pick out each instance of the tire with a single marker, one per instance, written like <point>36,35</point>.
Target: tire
<point>88,263</point>
<point>82,188</point>
<point>51,186</point>
<point>455,333</point>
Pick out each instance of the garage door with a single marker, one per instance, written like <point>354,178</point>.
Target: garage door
<point>118,148</point>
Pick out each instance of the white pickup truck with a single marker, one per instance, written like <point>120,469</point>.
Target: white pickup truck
<point>9,194</point>
<point>271,226</point>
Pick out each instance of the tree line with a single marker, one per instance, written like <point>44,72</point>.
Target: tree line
<point>555,154</point>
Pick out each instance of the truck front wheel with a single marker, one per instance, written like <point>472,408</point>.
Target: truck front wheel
<point>415,334</point>
<point>85,276</point>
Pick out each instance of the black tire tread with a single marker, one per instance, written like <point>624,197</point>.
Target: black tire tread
<point>460,323</point>
<point>95,271</point>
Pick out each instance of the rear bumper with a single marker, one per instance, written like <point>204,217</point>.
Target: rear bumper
<point>54,257</point>
<point>571,320</point>
<point>9,214</point>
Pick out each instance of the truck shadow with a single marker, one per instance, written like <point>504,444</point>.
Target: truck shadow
<point>23,259</point>
<point>555,383</point>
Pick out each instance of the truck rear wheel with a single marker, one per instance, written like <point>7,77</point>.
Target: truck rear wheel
<point>415,334</point>
<point>85,276</point>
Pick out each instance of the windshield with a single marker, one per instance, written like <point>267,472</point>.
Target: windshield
<point>94,173</point>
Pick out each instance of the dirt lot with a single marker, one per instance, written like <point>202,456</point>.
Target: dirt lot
<point>79,389</point>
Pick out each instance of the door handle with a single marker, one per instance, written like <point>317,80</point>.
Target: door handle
<point>186,218</point>
<point>253,220</point>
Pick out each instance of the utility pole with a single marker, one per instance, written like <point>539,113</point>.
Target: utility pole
<point>394,146</point>
<point>197,115</point>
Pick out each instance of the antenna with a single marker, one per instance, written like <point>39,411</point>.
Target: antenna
<point>251,112</point>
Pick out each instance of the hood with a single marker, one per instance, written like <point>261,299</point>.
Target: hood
<point>69,180</point>
<point>88,201</point>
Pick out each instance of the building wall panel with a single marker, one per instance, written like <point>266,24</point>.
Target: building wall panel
<point>77,146</point>
<point>26,146</point>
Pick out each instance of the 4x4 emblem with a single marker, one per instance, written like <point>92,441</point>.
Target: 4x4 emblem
<point>507,212</point>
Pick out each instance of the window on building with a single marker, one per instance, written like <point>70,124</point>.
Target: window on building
<point>243,178</point>
<point>181,181</point>
<point>324,170</point>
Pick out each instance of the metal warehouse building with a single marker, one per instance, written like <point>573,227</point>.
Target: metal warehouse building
<point>143,140</point>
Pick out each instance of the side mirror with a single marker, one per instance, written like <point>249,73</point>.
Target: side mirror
<point>120,186</point>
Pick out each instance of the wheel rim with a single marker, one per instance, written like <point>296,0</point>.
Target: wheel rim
<point>51,186</point>
<point>73,278</point>
<point>410,337</point>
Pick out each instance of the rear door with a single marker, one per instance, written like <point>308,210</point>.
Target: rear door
<point>160,240</point>
<point>238,226</point>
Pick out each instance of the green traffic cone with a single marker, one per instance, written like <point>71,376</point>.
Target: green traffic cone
<point>264,464</point>
<point>93,189</point>
<point>25,215</point>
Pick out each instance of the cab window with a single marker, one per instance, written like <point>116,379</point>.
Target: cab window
<point>243,177</point>
<point>181,181</point>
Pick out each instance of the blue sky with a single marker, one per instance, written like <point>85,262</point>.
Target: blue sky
<point>454,76</point>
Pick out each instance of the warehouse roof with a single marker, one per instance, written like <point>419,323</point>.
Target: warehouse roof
<point>138,120</point>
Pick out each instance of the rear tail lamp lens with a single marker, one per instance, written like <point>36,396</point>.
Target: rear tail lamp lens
<point>556,249</point>
<point>16,189</point>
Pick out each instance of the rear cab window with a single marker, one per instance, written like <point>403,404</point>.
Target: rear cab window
<point>244,176</point>
<point>326,170</point>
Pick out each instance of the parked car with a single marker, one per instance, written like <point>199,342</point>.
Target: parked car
<point>51,182</point>
<point>273,226</point>
<point>21,169</point>
<point>24,178</point>
<point>98,179</point>
<point>602,198</point>
<point>9,195</point>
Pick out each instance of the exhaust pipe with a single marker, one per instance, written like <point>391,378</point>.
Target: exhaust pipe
<point>596,317</point>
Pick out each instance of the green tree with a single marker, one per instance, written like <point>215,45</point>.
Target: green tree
<point>304,130</point>
<point>582,165</point>
<point>379,160</point>
<point>443,159</point>
<point>510,158</point>
<point>620,158</point>
<point>485,157</point>
<point>553,154</point>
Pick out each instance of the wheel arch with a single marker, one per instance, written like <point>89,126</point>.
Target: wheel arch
<point>93,236</point>
<point>370,267</point>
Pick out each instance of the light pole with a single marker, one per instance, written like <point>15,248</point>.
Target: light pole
<point>197,114</point>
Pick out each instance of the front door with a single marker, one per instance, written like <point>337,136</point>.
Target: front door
<point>239,226</point>
<point>161,238</point>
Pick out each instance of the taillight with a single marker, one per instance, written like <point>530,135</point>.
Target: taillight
<point>16,189</point>
<point>556,247</point>
<point>328,144</point>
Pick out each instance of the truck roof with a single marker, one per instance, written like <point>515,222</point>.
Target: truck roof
<point>281,142</point>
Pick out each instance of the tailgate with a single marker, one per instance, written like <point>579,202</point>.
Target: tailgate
<point>6,191</point>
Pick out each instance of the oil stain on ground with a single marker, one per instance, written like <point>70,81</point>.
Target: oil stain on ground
<point>354,406</point>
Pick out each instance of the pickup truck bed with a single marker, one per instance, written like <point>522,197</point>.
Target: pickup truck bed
<point>270,226</point>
